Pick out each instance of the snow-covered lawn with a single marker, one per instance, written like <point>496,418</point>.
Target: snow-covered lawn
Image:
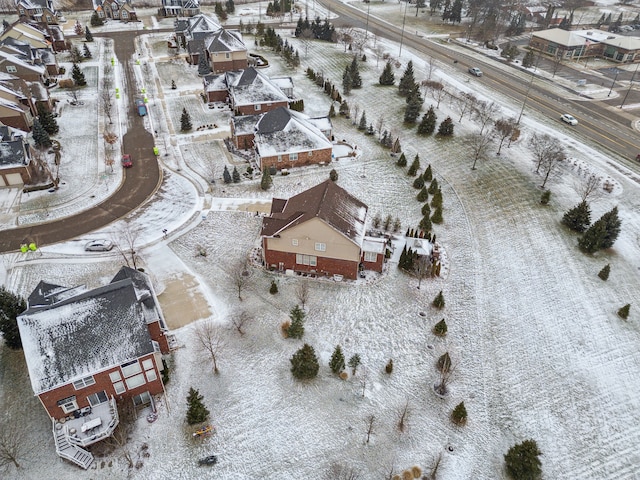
<point>538,348</point>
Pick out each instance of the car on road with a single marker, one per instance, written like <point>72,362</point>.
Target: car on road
<point>100,245</point>
<point>475,71</point>
<point>126,161</point>
<point>570,119</point>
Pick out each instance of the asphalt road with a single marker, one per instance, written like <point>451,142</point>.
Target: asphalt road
<point>140,181</point>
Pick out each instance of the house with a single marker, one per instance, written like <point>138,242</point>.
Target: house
<point>179,8</point>
<point>13,112</point>
<point>89,350</point>
<point>243,130</point>
<point>191,32</point>
<point>284,139</point>
<point>252,92</point>
<point>39,11</point>
<point>15,66</point>
<point>115,10</point>
<point>320,231</point>
<point>17,165</point>
<point>215,87</point>
<point>225,51</point>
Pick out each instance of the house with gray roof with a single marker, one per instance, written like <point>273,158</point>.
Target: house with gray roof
<point>320,232</point>
<point>89,350</point>
<point>40,14</point>
<point>252,92</point>
<point>115,10</point>
<point>17,164</point>
<point>179,8</point>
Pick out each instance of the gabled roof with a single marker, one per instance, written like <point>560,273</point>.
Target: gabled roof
<point>78,333</point>
<point>197,23</point>
<point>282,131</point>
<point>245,124</point>
<point>12,153</point>
<point>4,56</point>
<point>327,202</point>
<point>251,87</point>
<point>215,82</point>
<point>225,41</point>
<point>31,4</point>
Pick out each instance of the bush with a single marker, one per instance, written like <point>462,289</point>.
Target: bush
<point>284,327</point>
<point>522,461</point>
<point>440,328</point>
<point>604,273</point>
<point>66,83</point>
<point>389,367</point>
<point>438,302</point>
<point>545,197</point>
<point>624,311</point>
<point>274,287</point>
<point>459,414</point>
<point>333,175</point>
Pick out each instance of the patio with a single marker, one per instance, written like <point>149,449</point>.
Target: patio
<point>91,425</point>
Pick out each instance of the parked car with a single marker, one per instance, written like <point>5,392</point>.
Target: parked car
<point>475,71</point>
<point>142,108</point>
<point>126,161</point>
<point>100,245</point>
<point>210,460</point>
<point>570,119</point>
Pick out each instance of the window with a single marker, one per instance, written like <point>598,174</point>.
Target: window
<point>321,247</point>
<point>115,376</point>
<point>370,256</point>
<point>310,260</point>
<point>279,158</point>
<point>96,399</point>
<point>151,375</point>
<point>147,364</point>
<point>11,69</point>
<point>68,404</point>
<point>310,154</point>
<point>124,14</point>
<point>257,107</point>
<point>131,368</point>
<point>293,157</point>
<point>135,381</point>
<point>83,382</point>
<point>226,55</point>
<point>119,387</point>
<point>142,399</point>
<point>294,242</point>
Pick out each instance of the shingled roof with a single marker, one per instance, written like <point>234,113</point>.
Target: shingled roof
<point>225,41</point>
<point>326,201</point>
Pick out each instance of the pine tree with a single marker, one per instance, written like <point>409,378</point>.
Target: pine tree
<point>529,58</point>
<point>87,34</point>
<point>296,330</point>
<point>96,21</point>
<point>591,241</point>
<point>428,124</point>
<point>604,273</point>
<point>173,84</point>
<point>415,166</point>
<point>412,111</point>
<point>624,311</point>
<point>274,287</point>
<point>428,174</point>
<point>40,136</point>
<point>354,362</point>
<point>612,224</point>
<point>363,121</point>
<point>196,411</point>
<point>436,200</point>
<point>266,181</point>
<point>459,414</point>
<point>304,363</point>
<point>344,109</point>
<point>332,111</point>
<point>578,218</point>
<point>402,160</point>
<point>440,328</point>
<point>407,81</point>
<point>47,120</point>
<point>185,121</point>
<point>387,77</point>
<point>433,187</point>
<point>337,360</point>
<point>230,7</point>
<point>437,216</point>
<point>226,176</point>
<point>11,305</point>
<point>78,76</point>
<point>356,79</point>
<point>522,461</point>
<point>438,302</point>
<point>236,175</point>
<point>425,225</point>
<point>86,53</point>
<point>423,195</point>
<point>347,82</point>
<point>77,28</point>
<point>426,210</point>
<point>204,68</point>
<point>418,183</point>
<point>446,128</point>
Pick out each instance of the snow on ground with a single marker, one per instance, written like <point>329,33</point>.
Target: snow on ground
<point>540,352</point>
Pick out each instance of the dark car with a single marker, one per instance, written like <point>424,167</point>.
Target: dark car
<point>126,161</point>
<point>210,460</point>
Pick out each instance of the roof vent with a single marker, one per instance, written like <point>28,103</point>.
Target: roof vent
<point>589,33</point>
<point>610,37</point>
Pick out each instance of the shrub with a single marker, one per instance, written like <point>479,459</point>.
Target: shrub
<point>344,375</point>
<point>274,287</point>
<point>545,197</point>
<point>333,175</point>
<point>604,273</point>
<point>389,367</point>
<point>624,311</point>
<point>284,327</point>
<point>438,302</point>
<point>459,414</point>
<point>522,461</point>
<point>417,471</point>
<point>66,83</point>
<point>440,328</point>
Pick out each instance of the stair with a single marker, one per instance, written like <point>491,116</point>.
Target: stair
<point>73,453</point>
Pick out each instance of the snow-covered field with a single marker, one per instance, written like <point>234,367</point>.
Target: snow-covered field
<point>540,352</point>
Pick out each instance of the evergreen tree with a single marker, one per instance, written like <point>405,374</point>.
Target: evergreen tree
<point>438,302</point>
<point>354,362</point>
<point>522,461</point>
<point>370,130</point>
<point>426,210</point>
<point>40,136</point>
<point>78,76</point>
<point>433,187</point>
<point>96,21</point>
<point>344,109</point>
<point>437,216</point>
<point>436,201</point>
<point>578,218</point>
<point>423,195</point>
<point>529,59</point>
<point>446,128</point>
<point>444,362</point>
<point>226,176</point>
<point>86,53</point>
<point>624,311</point>
<point>296,329</point>
<point>545,197</point>
<point>274,287</point>
<point>356,79</point>
<point>415,166</point>
<point>402,160</point>
<point>230,7</point>
<point>428,174</point>
<point>440,328</point>
<point>173,85</point>
<point>87,34</point>
<point>428,124</point>
<point>425,225</point>
<point>347,81</point>
<point>591,241</point>
<point>204,68</point>
<point>337,360</point>
<point>363,121</point>
<point>11,305</point>
<point>407,82</point>
<point>604,273</point>
<point>414,104</point>
<point>418,183</point>
<point>387,77</point>
<point>185,121</point>
<point>388,368</point>
<point>333,175</point>
<point>47,120</point>
<point>304,363</point>
<point>266,181</point>
<point>196,411</point>
<point>332,111</point>
<point>459,414</point>
<point>612,225</point>
<point>456,12</point>
<point>236,175</point>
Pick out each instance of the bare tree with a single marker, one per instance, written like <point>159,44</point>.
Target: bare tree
<point>503,129</point>
<point>433,475</point>
<point>341,472</point>
<point>110,138</point>
<point>209,341</point>
<point>345,36</point>
<point>441,387</point>
<point>479,143</point>
<point>107,76</point>
<point>435,89</point>
<point>120,438</point>
<point>485,112</point>
<point>302,293</point>
<point>380,124</point>
<point>13,445</point>
<point>306,37</point>
<point>541,145</point>
<point>73,93</point>
<point>422,269</point>
<point>403,416</point>
<point>431,65</point>
<point>589,188</point>
<point>550,161</point>
<point>107,106</point>
<point>240,320</point>
<point>126,243</point>
<point>240,278</point>
<point>364,377</point>
<point>355,110</point>
<point>369,423</point>
<point>464,104</point>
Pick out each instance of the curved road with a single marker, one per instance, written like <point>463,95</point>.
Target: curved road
<point>140,181</point>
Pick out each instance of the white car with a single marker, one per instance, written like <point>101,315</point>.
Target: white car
<point>98,246</point>
<point>570,119</point>
<point>475,71</point>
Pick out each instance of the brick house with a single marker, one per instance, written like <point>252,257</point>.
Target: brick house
<point>17,166</point>
<point>115,10</point>
<point>243,129</point>
<point>215,87</point>
<point>320,232</point>
<point>17,67</point>
<point>15,114</point>
<point>252,92</point>
<point>285,138</point>
<point>225,51</point>
<point>39,11</point>
<point>88,350</point>
<point>191,32</point>
<point>179,8</point>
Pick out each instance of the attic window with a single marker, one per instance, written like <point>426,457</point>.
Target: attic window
<point>83,382</point>
<point>11,69</point>
<point>226,55</point>
<point>294,242</point>
<point>321,247</point>
<point>370,256</point>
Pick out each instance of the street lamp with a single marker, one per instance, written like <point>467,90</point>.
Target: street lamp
<point>404,18</point>
<point>630,83</point>
<point>614,82</point>
<point>526,96</point>
<point>366,29</point>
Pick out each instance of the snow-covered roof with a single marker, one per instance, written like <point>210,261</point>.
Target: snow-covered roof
<point>197,23</point>
<point>326,201</point>
<point>283,131</point>
<point>373,244</point>
<point>225,41</point>
<point>12,153</point>
<point>579,37</point>
<point>76,336</point>
<point>245,124</point>
<point>16,61</point>
<point>32,4</point>
<point>322,123</point>
<point>283,83</point>
<point>560,36</point>
<point>215,83</point>
<point>12,105</point>
<point>251,87</point>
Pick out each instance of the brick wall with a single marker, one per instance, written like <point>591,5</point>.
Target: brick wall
<point>375,266</point>
<point>228,65</point>
<point>250,109</point>
<point>316,157</point>
<point>158,335</point>
<point>325,267</point>
<point>216,95</point>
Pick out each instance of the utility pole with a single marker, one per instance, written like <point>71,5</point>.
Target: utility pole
<point>404,18</point>
<point>630,83</point>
